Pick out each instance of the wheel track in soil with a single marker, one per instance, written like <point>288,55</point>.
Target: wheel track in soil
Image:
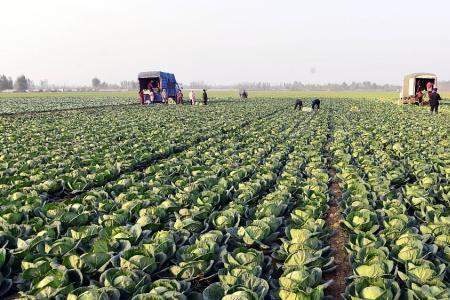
<point>339,237</point>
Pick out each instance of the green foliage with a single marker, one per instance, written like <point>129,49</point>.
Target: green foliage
<point>227,201</point>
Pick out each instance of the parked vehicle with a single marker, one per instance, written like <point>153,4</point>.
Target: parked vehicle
<point>413,83</point>
<point>158,82</point>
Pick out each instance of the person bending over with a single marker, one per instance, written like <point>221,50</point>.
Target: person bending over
<point>316,104</point>
<point>298,104</point>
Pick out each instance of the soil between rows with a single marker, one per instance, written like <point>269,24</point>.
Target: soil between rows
<point>337,243</point>
<point>339,237</point>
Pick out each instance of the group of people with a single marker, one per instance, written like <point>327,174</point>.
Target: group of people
<point>315,104</point>
<point>192,97</point>
<point>149,96</point>
<point>433,97</point>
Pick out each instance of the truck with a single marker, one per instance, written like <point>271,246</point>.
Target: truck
<point>157,81</point>
<point>413,83</point>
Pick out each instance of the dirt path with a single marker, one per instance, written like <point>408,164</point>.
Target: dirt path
<point>339,238</point>
<point>337,242</point>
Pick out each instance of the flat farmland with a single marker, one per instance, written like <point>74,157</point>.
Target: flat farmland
<point>101,198</point>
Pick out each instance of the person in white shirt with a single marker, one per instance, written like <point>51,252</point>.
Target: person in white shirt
<point>146,96</point>
<point>164,96</point>
<point>192,97</point>
<point>152,96</point>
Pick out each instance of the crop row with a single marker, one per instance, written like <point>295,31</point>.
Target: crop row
<point>50,161</point>
<point>251,256</point>
<point>145,211</point>
<point>304,254</point>
<point>233,207</point>
<point>68,218</point>
<point>392,195</point>
<point>33,104</point>
<point>21,211</point>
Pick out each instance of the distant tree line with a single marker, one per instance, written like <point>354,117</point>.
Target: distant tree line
<point>299,86</point>
<point>21,84</point>
<point>98,84</point>
<point>199,85</point>
<point>128,85</point>
<point>354,86</point>
<point>6,83</point>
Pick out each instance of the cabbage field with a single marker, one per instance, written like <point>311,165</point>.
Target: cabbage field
<point>103,200</point>
<point>23,103</point>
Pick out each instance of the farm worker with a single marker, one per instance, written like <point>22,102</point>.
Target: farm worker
<point>164,96</point>
<point>179,97</point>
<point>245,94</point>
<point>141,95</point>
<point>192,97</point>
<point>316,104</point>
<point>147,96</point>
<point>429,86</point>
<point>299,104</point>
<point>152,96</point>
<point>205,97</point>
<point>419,97</point>
<point>434,101</point>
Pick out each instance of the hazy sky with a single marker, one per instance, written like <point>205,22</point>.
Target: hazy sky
<point>225,41</point>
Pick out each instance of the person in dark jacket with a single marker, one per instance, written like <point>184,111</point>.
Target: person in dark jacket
<point>205,97</point>
<point>299,104</point>
<point>316,104</point>
<point>434,101</point>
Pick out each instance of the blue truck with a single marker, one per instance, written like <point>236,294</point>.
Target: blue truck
<point>157,81</point>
